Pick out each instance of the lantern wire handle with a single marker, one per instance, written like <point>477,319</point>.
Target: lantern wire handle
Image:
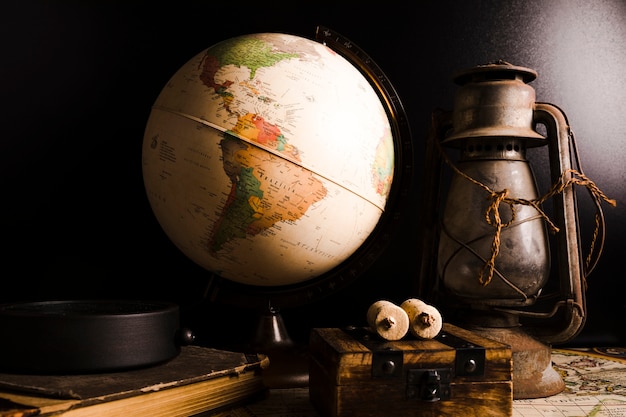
<point>600,226</point>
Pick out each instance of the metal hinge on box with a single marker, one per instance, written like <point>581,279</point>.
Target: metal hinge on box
<point>470,358</point>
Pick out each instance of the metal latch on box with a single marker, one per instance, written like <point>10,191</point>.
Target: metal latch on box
<point>429,384</point>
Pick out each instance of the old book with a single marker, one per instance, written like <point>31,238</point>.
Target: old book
<point>198,380</point>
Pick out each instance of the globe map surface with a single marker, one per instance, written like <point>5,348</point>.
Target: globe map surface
<point>268,159</point>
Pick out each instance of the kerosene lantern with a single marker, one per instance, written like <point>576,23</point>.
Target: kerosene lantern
<point>490,245</point>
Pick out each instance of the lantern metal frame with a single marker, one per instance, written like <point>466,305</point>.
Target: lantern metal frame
<point>565,318</point>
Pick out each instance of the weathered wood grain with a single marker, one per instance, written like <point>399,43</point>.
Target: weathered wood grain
<point>341,383</point>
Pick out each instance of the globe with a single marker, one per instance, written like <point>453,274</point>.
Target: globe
<point>268,159</point>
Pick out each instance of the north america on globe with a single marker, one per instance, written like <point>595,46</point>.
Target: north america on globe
<point>268,159</point>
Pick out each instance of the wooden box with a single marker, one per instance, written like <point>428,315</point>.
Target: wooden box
<point>353,372</point>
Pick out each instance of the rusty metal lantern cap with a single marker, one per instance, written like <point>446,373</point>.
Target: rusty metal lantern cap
<point>494,70</point>
<point>494,101</point>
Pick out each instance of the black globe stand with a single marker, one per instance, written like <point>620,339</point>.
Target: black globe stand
<point>289,367</point>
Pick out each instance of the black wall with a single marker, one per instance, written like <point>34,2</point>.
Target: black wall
<point>78,80</point>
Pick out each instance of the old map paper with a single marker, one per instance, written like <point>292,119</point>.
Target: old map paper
<point>595,386</point>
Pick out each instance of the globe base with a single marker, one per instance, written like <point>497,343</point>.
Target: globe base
<point>289,361</point>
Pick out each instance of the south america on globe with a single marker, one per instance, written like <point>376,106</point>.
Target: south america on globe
<point>268,159</point>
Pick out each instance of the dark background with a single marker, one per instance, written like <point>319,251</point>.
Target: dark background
<point>78,80</point>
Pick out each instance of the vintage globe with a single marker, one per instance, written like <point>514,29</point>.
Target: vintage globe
<point>268,159</point>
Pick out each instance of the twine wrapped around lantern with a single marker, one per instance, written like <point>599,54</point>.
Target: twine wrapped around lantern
<point>569,178</point>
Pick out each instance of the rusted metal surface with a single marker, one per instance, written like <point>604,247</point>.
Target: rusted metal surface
<point>533,375</point>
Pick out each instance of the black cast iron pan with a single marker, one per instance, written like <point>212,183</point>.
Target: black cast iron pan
<point>87,335</point>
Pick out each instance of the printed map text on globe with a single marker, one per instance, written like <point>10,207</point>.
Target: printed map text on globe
<point>268,159</point>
